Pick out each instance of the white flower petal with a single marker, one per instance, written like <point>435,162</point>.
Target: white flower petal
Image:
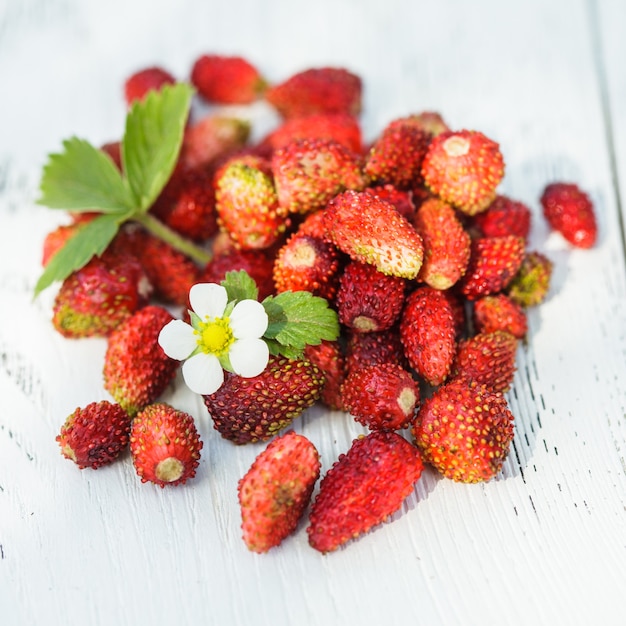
<point>248,320</point>
<point>203,373</point>
<point>177,339</point>
<point>208,299</point>
<point>249,357</point>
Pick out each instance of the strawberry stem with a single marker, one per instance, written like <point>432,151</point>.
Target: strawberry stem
<point>160,230</point>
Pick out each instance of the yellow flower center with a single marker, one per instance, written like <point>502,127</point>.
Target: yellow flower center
<point>215,335</point>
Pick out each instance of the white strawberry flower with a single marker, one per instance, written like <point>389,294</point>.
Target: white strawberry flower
<point>222,336</point>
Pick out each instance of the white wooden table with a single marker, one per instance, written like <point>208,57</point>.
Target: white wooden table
<point>545,543</point>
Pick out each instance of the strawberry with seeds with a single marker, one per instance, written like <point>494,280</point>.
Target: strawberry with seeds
<point>165,445</point>
<point>309,172</point>
<point>531,284</point>
<point>370,230</point>
<point>363,488</point>
<point>95,435</point>
<point>381,397</point>
<point>276,490</point>
<point>143,81</point>
<point>465,431</point>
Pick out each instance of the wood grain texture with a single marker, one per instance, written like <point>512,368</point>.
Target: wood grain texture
<point>544,543</point>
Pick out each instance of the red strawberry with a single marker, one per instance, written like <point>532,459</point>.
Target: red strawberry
<point>141,82</point>
<point>446,244</point>
<point>430,121</point>
<point>95,435</point>
<point>313,225</point>
<point>381,397</point>
<point>397,155</point>
<point>97,298</point>
<point>428,334</point>
<point>247,206</point>
<point>136,370</point>
<point>170,272</point>
<point>328,357</point>
<point>276,490</point>
<point>187,205</point>
<point>341,127</point>
<point>488,359</point>
<point>401,199</point>
<point>255,409</point>
<point>531,284</point>
<point>457,304</point>
<point>370,230</point>
<point>464,430</point>
<point>494,261</point>
<point>317,90</point>
<point>364,349</point>
<point>307,263</point>
<point>309,172</point>
<point>504,217</point>
<point>256,263</point>
<point>165,445</point>
<point>227,79</point>
<point>368,300</point>
<point>569,211</point>
<point>56,239</point>
<point>363,488</point>
<point>211,138</point>
<point>114,150</point>
<point>464,169</point>
<point>499,312</point>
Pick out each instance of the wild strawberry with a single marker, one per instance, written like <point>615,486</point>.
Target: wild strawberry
<point>313,225</point>
<point>488,359</point>
<point>309,172</point>
<point>428,334</point>
<point>464,430</point>
<point>97,298</point>
<point>363,488</point>
<point>364,349</point>
<point>531,284</point>
<point>569,211</point>
<point>317,90</point>
<point>276,490</point>
<point>370,230</point>
<point>499,312</point>
<point>170,272</point>
<point>328,357</point>
<point>256,263</point>
<point>381,397</point>
<point>114,150</point>
<point>494,261</point>
<point>248,209</point>
<point>227,79</point>
<point>255,409</point>
<point>397,154</point>
<point>165,445</point>
<point>504,217</point>
<point>141,82</point>
<point>430,121</point>
<point>340,127</point>
<point>136,370</point>
<point>210,138</point>
<point>401,199</point>
<point>56,239</point>
<point>95,435</point>
<point>307,263</point>
<point>187,205</point>
<point>457,304</point>
<point>464,169</point>
<point>446,244</point>
<point>368,300</point>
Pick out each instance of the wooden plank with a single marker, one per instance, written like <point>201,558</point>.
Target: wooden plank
<point>542,544</point>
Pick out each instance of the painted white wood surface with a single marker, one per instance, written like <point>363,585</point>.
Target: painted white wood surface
<point>545,543</point>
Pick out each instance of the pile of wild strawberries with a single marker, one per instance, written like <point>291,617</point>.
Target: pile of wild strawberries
<point>426,265</point>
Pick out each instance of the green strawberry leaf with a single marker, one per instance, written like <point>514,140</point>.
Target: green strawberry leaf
<point>152,141</point>
<point>89,240</point>
<point>239,286</point>
<point>83,178</point>
<point>298,318</point>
